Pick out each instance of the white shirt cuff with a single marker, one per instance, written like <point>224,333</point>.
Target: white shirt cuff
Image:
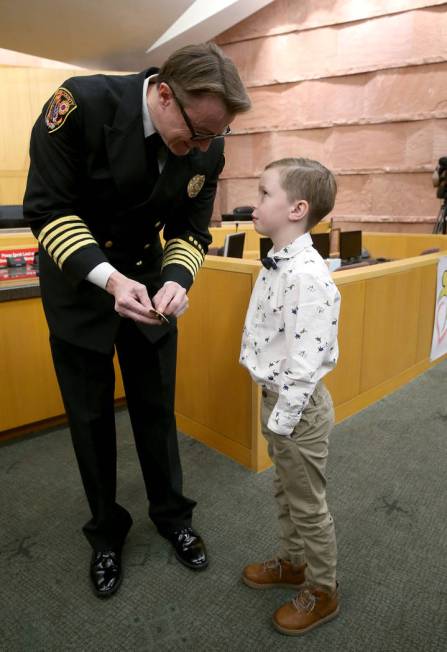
<point>285,431</point>
<point>99,275</point>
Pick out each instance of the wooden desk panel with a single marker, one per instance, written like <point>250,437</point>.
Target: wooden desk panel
<point>29,392</point>
<point>401,245</point>
<point>344,381</point>
<point>212,389</point>
<point>426,311</point>
<point>385,337</point>
<point>390,327</point>
<point>28,386</point>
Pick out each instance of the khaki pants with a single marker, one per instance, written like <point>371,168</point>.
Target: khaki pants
<point>307,532</point>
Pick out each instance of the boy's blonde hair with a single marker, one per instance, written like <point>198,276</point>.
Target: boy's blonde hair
<point>303,178</point>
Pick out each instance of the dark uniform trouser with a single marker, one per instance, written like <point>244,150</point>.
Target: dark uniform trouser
<point>86,379</point>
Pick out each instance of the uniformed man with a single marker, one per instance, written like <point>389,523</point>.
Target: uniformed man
<point>115,160</point>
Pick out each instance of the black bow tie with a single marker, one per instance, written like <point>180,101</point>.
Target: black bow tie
<point>269,263</point>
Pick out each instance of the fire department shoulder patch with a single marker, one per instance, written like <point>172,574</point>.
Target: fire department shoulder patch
<point>61,105</point>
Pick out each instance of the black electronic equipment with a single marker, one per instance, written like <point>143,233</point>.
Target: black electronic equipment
<point>265,244</point>
<point>239,214</point>
<point>11,216</point>
<point>350,244</point>
<point>321,243</point>
<point>243,210</point>
<point>15,261</point>
<point>234,245</point>
<point>440,182</point>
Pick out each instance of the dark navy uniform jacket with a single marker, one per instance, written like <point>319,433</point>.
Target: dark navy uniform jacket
<point>90,198</point>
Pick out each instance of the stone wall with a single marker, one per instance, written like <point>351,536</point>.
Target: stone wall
<point>360,86</point>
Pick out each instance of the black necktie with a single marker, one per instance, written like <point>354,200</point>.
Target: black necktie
<point>153,144</point>
<point>269,263</point>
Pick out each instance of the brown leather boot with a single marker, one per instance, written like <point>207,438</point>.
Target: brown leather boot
<point>311,607</point>
<point>275,573</point>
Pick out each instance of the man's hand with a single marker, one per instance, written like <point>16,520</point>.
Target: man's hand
<point>131,298</point>
<point>171,299</point>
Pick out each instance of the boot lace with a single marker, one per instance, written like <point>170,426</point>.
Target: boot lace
<point>273,564</point>
<point>304,601</point>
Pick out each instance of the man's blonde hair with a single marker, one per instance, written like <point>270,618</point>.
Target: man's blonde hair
<point>303,178</point>
<point>204,69</point>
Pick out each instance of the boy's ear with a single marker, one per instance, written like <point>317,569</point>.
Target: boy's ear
<point>299,210</point>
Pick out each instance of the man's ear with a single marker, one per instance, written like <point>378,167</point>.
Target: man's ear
<point>164,94</point>
<point>299,210</point>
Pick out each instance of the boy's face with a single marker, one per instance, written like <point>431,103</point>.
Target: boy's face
<point>274,210</point>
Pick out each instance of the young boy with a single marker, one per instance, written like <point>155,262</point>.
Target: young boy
<point>289,343</point>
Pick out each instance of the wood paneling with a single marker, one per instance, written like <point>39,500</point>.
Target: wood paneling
<point>426,313</point>
<point>344,381</point>
<point>398,245</point>
<point>390,326</point>
<point>28,388</point>
<point>24,92</point>
<point>204,391</point>
<point>28,383</point>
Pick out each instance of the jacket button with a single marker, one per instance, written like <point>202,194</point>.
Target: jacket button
<point>138,263</point>
<point>108,244</point>
<point>146,246</point>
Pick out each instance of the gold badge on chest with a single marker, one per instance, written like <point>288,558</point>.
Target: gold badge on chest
<point>195,185</point>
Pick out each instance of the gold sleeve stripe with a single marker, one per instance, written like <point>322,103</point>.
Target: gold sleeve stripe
<point>59,221</point>
<point>64,236</point>
<point>67,242</point>
<point>181,253</point>
<point>179,244</point>
<point>192,269</point>
<point>180,259</point>
<point>54,243</point>
<point>63,230</point>
<point>71,250</point>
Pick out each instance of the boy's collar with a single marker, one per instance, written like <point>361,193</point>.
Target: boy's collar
<point>292,249</point>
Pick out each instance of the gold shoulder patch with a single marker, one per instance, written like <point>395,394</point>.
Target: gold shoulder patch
<point>61,105</point>
<point>195,185</point>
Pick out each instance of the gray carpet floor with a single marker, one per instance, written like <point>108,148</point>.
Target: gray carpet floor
<point>387,492</point>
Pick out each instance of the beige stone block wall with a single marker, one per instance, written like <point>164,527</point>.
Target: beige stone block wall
<point>285,16</point>
<point>388,41</point>
<point>362,87</point>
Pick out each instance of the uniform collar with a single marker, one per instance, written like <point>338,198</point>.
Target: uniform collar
<point>148,126</point>
<point>293,248</point>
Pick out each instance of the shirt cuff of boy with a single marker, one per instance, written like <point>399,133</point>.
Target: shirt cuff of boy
<point>279,428</point>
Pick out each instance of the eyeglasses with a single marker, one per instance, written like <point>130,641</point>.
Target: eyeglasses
<point>194,134</point>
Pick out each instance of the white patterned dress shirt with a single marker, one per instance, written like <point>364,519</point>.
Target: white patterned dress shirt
<point>289,340</point>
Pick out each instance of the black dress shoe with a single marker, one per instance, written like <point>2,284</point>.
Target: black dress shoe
<point>105,572</point>
<point>189,548</point>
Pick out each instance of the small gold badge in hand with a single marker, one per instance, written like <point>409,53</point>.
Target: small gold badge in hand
<point>158,315</point>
